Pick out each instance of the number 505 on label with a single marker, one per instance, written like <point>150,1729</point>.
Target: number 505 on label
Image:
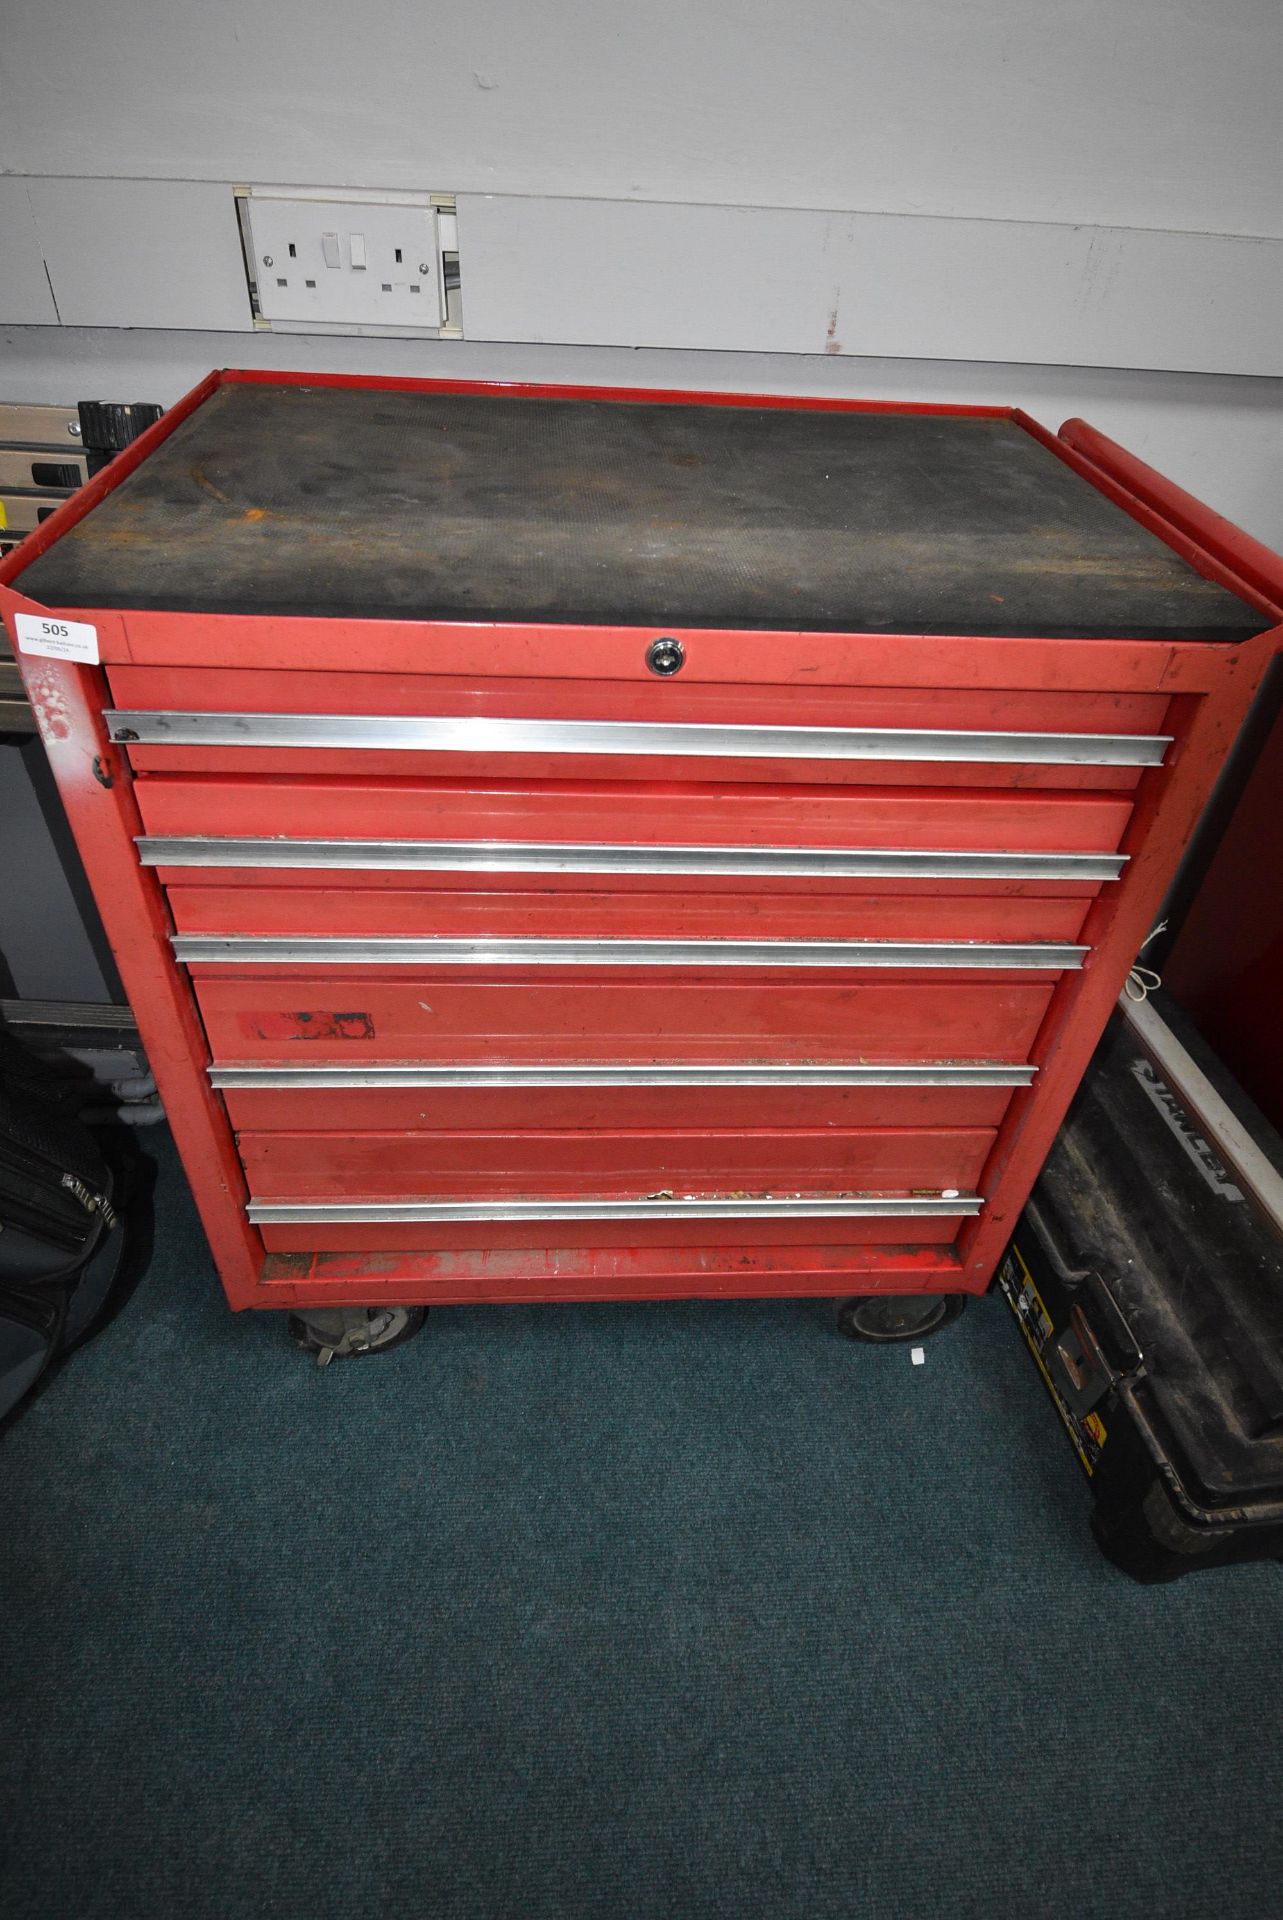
<point>56,639</point>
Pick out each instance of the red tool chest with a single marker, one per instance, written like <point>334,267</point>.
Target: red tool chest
<point>564,844</point>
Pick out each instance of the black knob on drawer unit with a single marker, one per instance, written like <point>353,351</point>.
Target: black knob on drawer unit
<point>665,656</point>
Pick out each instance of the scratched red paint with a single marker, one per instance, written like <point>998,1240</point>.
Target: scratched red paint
<point>308,1025</point>
<point>48,700</point>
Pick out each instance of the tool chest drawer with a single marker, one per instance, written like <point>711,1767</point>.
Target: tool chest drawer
<point>378,831</point>
<point>625,844</point>
<point>242,720</point>
<point>677,917</point>
<point>613,1164</point>
<point>631,1238</point>
<point>455,1020</point>
<point>474,1099</point>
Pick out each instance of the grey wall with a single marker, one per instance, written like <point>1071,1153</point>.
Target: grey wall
<point>1153,114</point>
<point>1075,207</point>
<point>52,946</point>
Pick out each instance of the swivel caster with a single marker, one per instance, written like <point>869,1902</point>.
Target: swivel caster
<point>343,1333</point>
<point>898,1316</point>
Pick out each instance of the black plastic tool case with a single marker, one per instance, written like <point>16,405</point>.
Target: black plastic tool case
<point>1151,1295</point>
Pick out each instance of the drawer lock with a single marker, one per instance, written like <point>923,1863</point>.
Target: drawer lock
<point>665,656</point>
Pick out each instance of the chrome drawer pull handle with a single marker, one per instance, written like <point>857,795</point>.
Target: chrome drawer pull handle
<point>359,1212</point>
<point>931,1073</point>
<point>473,734</point>
<point>520,856</point>
<point>247,949</point>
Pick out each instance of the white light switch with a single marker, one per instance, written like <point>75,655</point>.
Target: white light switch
<point>361,262</point>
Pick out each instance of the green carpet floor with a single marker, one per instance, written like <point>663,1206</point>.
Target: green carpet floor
<point>625,1612</point>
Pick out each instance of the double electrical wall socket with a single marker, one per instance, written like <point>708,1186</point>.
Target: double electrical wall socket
<point>355,262</point>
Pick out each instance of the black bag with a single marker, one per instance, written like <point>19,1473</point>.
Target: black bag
<point>61,1236</point>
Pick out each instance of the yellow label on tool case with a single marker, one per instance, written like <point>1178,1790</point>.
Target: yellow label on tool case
<point>1037,1326</point>
<point>1032,1298</point>
<point>4,518</point>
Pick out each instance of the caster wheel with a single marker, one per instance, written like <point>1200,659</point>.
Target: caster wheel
<point>898,1316</point>
<point>344,1333</point>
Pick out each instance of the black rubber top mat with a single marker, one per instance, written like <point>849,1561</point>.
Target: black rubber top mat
<point>402,503</point>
